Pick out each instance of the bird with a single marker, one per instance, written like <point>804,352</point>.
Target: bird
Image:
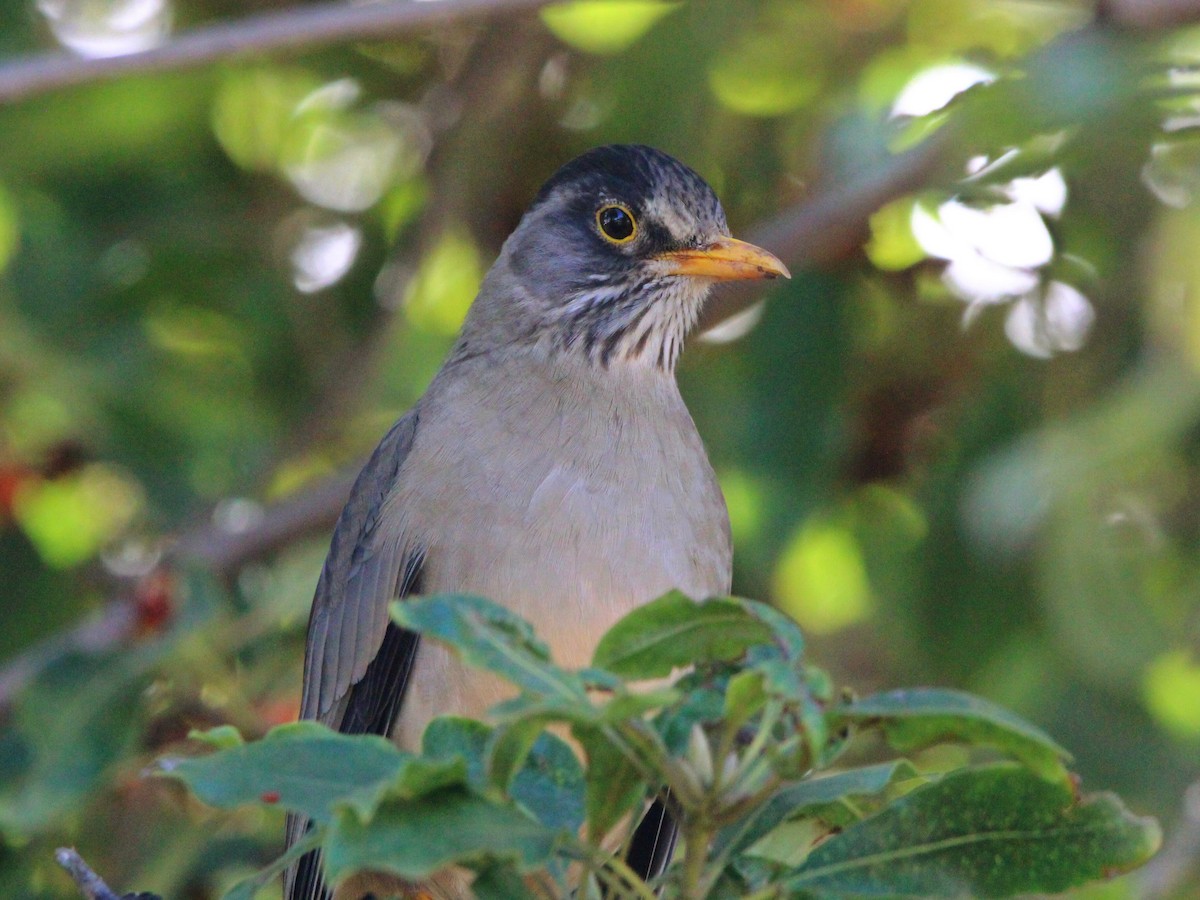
<point>551,465</point>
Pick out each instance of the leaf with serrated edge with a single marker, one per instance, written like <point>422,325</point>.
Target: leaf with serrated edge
<point>794,799</point>
<point>304,767</point>
<point>675,631</point>
<point>614,786</point>
<point>490,637</point>
<point>415,838</point>
<point>919,717</point>
<point>990,831</point>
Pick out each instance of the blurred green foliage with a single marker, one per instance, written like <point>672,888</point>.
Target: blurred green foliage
<point>963,453</point>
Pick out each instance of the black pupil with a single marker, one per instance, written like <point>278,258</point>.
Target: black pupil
<point>616,223</point>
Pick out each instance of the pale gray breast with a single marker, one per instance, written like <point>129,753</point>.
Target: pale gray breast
<point>570,494</point>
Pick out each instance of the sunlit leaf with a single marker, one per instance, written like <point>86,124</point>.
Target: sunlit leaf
<point>674,631</point>
<point>1172,690</point>
<point>892,246</point>
<point>987,832</point>
<point>69,519</point>
<point>604,26</point>
<point>9,228</point>
<point>922,716</point>
<point>772,69</point>
<point>418,837</point>
<point>253,112</point>
<point>793,800</point>
<point>303,767</point>
<point>487,635</point>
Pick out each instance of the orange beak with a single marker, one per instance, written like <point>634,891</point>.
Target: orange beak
<point>725,259</point>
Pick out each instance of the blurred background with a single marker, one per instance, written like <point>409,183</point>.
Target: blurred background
<point>961,446</point>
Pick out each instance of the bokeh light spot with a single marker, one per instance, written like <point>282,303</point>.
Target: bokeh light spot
<point>607,26</point>
<point>102,28</point>
<point>441,292</point>
<point>323,254</point>
<point>933,88</point>
<point>1171,689</point>
<point>821,579</point>
<point>744,497</point>
<point>71,518</point>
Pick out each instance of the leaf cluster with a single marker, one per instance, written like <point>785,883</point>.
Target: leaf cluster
<point>744,740</point>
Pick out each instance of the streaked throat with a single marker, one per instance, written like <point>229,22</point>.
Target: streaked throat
<point>645,323</point>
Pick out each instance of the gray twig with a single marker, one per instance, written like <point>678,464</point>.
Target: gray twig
<point>90,884</point>
<point>290,30</point>
<point>1179,860</point>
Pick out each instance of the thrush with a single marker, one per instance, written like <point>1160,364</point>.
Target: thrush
<point>551,465</point>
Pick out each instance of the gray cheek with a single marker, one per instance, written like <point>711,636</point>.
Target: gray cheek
<point>552,264</point>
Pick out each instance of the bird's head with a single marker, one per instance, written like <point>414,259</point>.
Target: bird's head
<point>614,260</point>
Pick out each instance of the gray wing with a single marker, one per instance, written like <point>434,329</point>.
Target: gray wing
<point>363,573</point>
<point>356,662</point>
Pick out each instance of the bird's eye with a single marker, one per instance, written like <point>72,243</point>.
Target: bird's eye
<point>616,223</point>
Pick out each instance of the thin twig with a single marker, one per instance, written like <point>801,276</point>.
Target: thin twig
<point>290,30</point>
<point>1179,860</point>
<point>90,884</point>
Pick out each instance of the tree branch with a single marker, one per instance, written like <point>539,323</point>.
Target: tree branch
<point>290,30</point>
<point>90,884</point>
<point>821,231</point>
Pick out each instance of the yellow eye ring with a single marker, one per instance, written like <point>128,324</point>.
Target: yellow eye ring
<point>616,223</point>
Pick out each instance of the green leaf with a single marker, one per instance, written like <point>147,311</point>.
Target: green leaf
<point>795,799</point>
<point>223,737</point>
<point>785,632</point>
<point>415,838</point>
<point>303,767</point>
<point>703,703</point>
<point>625,704</point>
<point>614,786</point>
<point>744,699</point>
<point>675,631</point>
<point>416,777</point>
<point>508,748</point>
<point>447,737</point>
<point>499,883</point>
<point>248,888</point>
<point>916,718</point>
<point>550,783</point>
<point>489,636</point>
<point>986,832</point>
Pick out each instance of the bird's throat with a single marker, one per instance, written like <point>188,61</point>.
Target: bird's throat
<point>644,325</point>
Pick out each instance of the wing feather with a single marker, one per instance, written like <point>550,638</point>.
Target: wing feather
<point>361,576</point>
<point>356,662</point>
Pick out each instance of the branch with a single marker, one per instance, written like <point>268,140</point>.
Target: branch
<point>290,30</point>
<point>1148,14</point>
<point>90,884</point>
<point>822,231</point>
<point>1169,872</point>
